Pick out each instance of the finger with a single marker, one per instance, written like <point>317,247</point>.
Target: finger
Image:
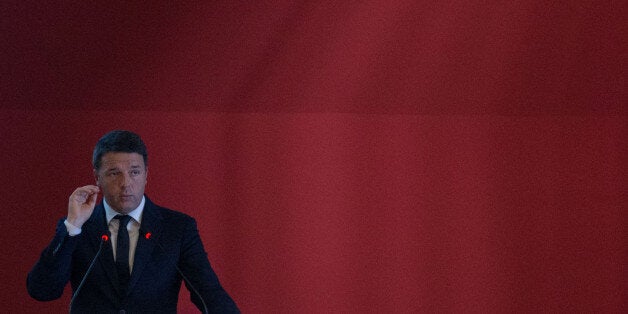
<point>89,189</point>
<point>84,192</point>
<point>92,199</point>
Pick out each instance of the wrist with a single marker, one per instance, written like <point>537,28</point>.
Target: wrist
<point>72,228</point>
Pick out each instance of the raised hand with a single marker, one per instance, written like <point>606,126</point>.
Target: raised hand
<point>81,204</point>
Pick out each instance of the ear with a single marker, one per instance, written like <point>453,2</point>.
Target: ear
<point>96,178</point>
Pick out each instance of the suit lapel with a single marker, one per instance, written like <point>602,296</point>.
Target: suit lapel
<point>98,227</point>
<point>149,231</point>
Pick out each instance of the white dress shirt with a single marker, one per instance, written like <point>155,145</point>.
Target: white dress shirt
<point>133,227</point>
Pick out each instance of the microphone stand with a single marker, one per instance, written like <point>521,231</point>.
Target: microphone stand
<point>105,238</point>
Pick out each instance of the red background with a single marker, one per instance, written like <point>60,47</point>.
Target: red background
<point>362,156</point>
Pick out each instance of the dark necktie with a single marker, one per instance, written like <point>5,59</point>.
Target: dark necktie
<point>122,252</point>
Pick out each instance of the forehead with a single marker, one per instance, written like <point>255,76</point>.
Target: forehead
<point>119,159</point>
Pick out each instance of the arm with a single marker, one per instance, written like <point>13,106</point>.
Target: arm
<point>47,279</point>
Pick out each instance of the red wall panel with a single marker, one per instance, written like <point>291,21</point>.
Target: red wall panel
<point>379,156</point>
<point>347,212</point>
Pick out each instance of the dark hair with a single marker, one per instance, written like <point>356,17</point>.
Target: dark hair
<point>119,141</point>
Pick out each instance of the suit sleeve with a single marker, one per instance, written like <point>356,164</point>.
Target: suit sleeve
<point>47,279</point>
<point>196,267</point>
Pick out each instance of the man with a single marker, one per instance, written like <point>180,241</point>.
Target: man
<point>139,268</point>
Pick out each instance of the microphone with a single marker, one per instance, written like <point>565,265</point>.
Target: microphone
<point>148,236</point>
<point>104,238</point>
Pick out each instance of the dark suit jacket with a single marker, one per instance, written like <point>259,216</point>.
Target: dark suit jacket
<point>155,283</point>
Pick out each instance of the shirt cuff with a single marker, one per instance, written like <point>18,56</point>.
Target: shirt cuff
<point>72,229</point>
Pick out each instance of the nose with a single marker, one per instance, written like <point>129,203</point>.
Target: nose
<point>126,180</point>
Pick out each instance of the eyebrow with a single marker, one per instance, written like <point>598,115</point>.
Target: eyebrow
<point>118,169</point>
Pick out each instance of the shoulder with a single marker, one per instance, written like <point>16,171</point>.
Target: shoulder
<point>166,214</point>
<point>171,214</point>
<point>172,226</point>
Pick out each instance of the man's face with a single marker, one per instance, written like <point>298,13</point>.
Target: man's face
<point>122,178</point>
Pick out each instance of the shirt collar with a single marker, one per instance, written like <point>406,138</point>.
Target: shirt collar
<point>135,214</point>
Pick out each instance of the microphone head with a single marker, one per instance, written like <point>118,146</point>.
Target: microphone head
<point>105,238</point>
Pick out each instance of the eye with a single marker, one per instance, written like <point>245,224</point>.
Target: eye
<point>113,174</point>
<point>135,172</point>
